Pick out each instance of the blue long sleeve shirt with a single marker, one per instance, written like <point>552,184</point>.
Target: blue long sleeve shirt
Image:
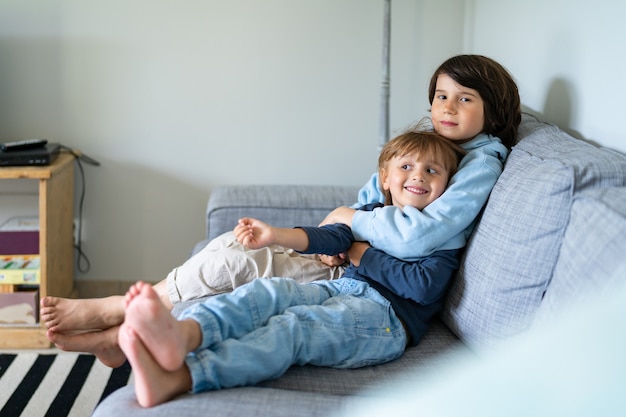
<point>414,289</point>
<point>444,224</point>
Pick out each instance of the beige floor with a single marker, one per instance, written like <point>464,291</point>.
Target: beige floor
<point>52,350</point>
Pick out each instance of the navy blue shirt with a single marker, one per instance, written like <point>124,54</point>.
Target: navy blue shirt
<point>415,289</point>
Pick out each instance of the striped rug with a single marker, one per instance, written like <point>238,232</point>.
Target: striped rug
<point>55,385</point>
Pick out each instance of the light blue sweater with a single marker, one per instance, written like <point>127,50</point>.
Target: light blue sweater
<point>444,224</point>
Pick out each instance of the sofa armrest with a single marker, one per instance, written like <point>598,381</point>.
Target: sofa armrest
<point>278,205</point>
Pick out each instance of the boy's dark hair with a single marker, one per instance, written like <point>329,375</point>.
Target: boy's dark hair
<point>495,86</point>
<point>430,143</point>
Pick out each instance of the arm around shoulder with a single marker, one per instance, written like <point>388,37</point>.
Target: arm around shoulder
<point>411,234</point>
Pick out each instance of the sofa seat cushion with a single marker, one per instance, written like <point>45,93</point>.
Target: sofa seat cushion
<point>438,339</point>
<point>236,402</point>
<point>573,365</point>
<point>509,260</point>
<point>302,391</point>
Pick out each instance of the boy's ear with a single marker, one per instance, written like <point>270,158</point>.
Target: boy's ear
<point>383,179</point>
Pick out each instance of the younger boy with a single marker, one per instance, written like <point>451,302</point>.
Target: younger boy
<point>368,316</point>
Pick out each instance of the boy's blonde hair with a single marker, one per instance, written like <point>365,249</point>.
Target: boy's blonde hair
<point>425,144</point>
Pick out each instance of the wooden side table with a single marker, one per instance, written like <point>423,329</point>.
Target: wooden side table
<point>56,216</point>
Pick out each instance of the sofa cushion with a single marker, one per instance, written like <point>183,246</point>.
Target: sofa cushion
<point>594,246</point>
<point>325,380</point>
<point>510,257</point>
<point>572,366</point>
<point>437,340</point>
<point>278,205</point>
<point>234,402</point>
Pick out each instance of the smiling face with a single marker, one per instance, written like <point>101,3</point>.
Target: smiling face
<point>414,180</point>
<point>457,112</point>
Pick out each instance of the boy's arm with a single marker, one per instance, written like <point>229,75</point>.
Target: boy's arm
<point>340,215</point>
<point>370,193</point>
<point>330,239</point>
<point>443,224</point>
<point>255,234</point>
<point>423,281</point>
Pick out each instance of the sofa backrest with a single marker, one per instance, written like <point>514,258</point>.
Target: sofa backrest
<point>594,247</point>
<point>513,252</point>
<point>278,205</point>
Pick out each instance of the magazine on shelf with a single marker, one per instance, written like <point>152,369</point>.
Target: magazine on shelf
<point>20,269</point>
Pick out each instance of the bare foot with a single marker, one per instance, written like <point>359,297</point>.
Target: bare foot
<point>68,315</point>
<point>153,384</point>
<point>133,291</point>
<point>165,337</point>
<point>103,344</point>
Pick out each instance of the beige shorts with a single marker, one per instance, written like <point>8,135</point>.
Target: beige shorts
<point>224,265</point>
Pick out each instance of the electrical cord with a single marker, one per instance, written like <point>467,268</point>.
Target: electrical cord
<point>82,258</point>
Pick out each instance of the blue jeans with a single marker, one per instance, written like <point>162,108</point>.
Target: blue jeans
<point>262,328</point>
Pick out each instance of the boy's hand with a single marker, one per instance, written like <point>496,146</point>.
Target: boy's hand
<point>356,252</point>
<point>253,233</point>
<point>339,215</point>
<point>334,260</point>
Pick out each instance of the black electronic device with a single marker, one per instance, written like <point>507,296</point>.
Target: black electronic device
<point>21,145</point>
<point>37,156</point>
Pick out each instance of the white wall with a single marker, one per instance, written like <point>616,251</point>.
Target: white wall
<point>175,98</point>
<point>568,57</point>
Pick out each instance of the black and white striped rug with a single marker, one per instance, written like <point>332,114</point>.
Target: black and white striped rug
<point>55,385</point>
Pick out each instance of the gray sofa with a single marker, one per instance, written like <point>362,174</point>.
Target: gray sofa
<point>553,230</point>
